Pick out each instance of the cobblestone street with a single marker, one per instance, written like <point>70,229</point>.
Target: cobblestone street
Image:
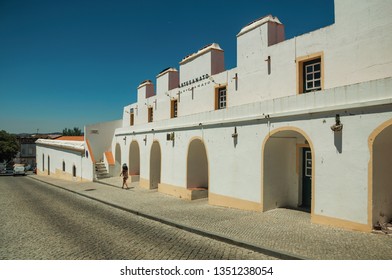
<point>39,221</point>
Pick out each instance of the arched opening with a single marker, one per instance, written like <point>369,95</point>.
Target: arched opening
<point>288,170</point>
<point>381,168</point>
<point>63,166</point>
<point>43,162</point>
<point>74,171</point>
<point>134,159</point>
<point>48,165</point>
<point>117,160</point>
<point>197,165</point>
<point>155,165</point>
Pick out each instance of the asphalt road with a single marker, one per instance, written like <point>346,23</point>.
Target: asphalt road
<point>39,221</point>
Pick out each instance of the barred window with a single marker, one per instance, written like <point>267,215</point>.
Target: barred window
<point>220,98</point>
<point>173,113</point>
<point>312,75</point>
<point>150,114</point>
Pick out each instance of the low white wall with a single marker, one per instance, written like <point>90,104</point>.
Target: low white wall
<point>100,136</point>
<point>84,169</point>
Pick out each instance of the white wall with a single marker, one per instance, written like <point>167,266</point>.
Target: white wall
<point>357,86</point>
<point>84,169</point>
<point>100,136</point>
<point>235,167</point>
<point>355,49</point>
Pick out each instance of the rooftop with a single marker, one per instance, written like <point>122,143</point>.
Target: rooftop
<point>71,138</point>
<point>258,22</point>
<point>213,46</point>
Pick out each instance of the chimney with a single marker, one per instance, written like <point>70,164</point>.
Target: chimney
<point>167,80</point>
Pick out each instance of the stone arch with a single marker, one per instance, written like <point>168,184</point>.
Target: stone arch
<point>380,175</point>
<point>155,165</point>
<point>134,159</point>
<point>288,170</point>
<point>117,160</point>
<point>197,165</point>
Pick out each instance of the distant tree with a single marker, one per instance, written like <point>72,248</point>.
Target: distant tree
<point>9,146</point>
<point>76,131</point>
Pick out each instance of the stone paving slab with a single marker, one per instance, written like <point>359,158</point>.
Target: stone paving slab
<point>283,233</point>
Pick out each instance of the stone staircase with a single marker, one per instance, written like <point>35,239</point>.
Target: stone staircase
<point>100,171</point>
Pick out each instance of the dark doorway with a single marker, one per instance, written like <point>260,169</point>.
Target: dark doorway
<point>48,165</point>
<point>306,178</point>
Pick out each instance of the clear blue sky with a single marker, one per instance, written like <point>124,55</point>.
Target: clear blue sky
<point>67,63</point>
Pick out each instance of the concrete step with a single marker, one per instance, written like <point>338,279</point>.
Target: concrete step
<point>101,171</point>
<point>103,176</point>
<point>100,168</point>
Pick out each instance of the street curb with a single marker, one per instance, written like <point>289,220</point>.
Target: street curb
<point>263,250</point>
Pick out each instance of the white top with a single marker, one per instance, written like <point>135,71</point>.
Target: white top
<point>167,71</point>
<point>65,144</point>
<point>213,46</point>
<point>257,23</point>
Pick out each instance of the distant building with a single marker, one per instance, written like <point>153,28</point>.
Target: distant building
<point>27,148</point>
<point>304,123</point>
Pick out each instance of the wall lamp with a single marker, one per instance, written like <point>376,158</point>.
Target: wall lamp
<point>212,80</point>
<point>338,126</point>
<point>170,136</point>
<point>236,81</point>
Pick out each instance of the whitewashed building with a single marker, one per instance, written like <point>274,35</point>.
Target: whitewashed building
<point>304,123</point>
<point>65,158</point>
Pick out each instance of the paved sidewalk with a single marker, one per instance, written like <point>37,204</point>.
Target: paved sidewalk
<point>282,233</point>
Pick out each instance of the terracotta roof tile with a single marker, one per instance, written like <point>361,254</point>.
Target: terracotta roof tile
<point>71,138</point>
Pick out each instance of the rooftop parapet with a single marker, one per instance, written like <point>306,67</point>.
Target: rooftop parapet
<point>207,61</point>
<point>167,79</point>
<point>203,50</point>
<point>145,90</point>
<point>258,22</point>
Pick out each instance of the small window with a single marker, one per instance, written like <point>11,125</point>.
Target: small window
<point>310,73</point>
<point>74,171</point>
<point>220,98</point>
<point>131,119</point>
<point>63,166</point>
<point>150,114</point>
<point>174,105</point>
